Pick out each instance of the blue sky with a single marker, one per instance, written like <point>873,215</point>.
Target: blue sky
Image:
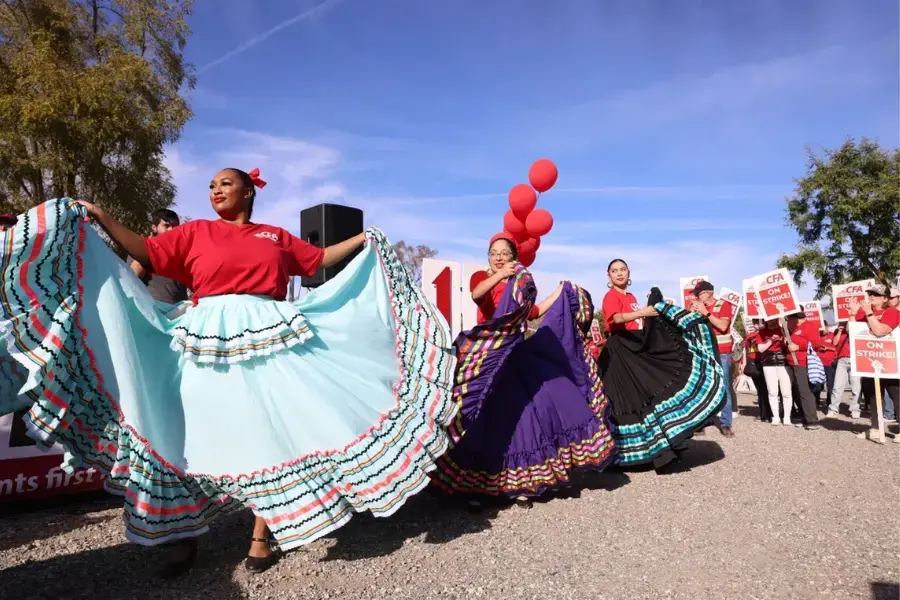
<point>677,127</point>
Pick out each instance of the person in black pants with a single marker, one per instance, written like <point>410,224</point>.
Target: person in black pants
<point>754,370</point>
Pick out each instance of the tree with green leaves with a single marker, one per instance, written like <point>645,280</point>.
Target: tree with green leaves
<point>412,257</point>
<point>90,94</point>
<point>846,211</point>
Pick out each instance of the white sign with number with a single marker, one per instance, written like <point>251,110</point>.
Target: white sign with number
<point>448,285</point>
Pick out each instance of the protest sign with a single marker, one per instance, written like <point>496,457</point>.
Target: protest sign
<point>731,297</point>
<point>845,294</point>
<point>687,286</point>
<point>813,312</point>
<point>751,304</point>
<point>874,356</point>
<point>775,294</point>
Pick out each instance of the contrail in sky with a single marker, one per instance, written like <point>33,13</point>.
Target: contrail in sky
<point>307,14</point>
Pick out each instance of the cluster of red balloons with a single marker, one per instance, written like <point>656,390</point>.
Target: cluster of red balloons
<point>522,221</point>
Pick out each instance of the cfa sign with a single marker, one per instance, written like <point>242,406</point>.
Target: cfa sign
<point>448,285</point>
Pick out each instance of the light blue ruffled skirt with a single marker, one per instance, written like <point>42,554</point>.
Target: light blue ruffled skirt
<point>305,412</point>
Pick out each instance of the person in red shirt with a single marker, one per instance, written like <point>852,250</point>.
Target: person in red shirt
<point>804,333</point>
<point>754,370</point>
<point>828,355</point>
<point>621,310</point>
<point>775,370</point>
<point>720,315</point>
<point>843,376</point>
<point>502,257</point>
<point>234,264</point>
<point>882,320</point>
<point>656,406</point>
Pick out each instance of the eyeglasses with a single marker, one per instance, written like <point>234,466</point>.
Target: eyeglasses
<point>504,254</point>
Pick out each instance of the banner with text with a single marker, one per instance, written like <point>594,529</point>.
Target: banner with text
<point>874,356</point>
<point>775,294</point>
<point>843,295</point>
<point>27,472</point>
<point>687,285</point>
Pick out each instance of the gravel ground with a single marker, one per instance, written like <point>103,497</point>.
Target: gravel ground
<point>776,512</point>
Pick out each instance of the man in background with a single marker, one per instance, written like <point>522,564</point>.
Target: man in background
<point>720,315</point>
<point>161,288</point>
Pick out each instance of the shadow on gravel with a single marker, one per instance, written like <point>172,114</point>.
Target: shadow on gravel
<point>427,513</point>
<point>127,571</point>
<point>55,516</point>
<point>883,590</point>
<point>698,453</point>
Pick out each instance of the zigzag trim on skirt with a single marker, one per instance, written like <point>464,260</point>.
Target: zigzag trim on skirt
<point>303,499</point>
<point>596,453</point>
<point>676,419</point>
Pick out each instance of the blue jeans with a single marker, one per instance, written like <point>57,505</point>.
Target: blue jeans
<point>726,415</point>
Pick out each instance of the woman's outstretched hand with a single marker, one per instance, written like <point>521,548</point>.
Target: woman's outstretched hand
<point>92,210</point>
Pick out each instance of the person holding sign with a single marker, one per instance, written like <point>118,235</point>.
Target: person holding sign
<point>720,314</point>
<point>882,319</point>
<point>660,370</point>
<point>804,333</point>
<point>828,355</point>
<point>754,369</point>
<point>532,411</point>
<point>778,379</point>
<point>843,375</point>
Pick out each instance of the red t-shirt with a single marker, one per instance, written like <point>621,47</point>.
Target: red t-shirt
<point>214,258</point>
<point>775,336</point>
<point>487,304</point>
<point>843,343</point>
<point>615,303</point>
<point>723,310</point>
<point>805,334</point>
<point>825,355</point>
<point>888,316</point>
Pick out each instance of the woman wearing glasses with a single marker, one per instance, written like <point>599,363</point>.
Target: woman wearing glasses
<point>531,411</point>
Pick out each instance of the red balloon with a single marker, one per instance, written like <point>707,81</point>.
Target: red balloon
<point>513,225</point>
<point>543,174</point>
<point>517,237</point>
<point>539,223</point>
<point>522,200</point>
<point>529,246</point>
<point>526,259</point>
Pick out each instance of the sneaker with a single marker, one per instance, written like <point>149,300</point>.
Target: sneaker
<point>813,427</point>
<point>832,415</point>
<point>736,414</point>
<point>787,422</point>
<point>890,420</point>
<point>855,415</point>
<point>776,422</point>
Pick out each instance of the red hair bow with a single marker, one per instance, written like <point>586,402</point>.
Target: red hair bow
<point>254,177</point>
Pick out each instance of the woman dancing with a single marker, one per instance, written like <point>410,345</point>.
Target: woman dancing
<point>660,370</point>
<point>531,411</point>
<point>244,399</point>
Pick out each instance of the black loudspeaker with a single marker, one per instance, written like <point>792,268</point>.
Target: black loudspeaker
<point>325,225</point>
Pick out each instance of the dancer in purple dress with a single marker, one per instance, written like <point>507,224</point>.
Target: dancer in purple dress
<point>531,411</point>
